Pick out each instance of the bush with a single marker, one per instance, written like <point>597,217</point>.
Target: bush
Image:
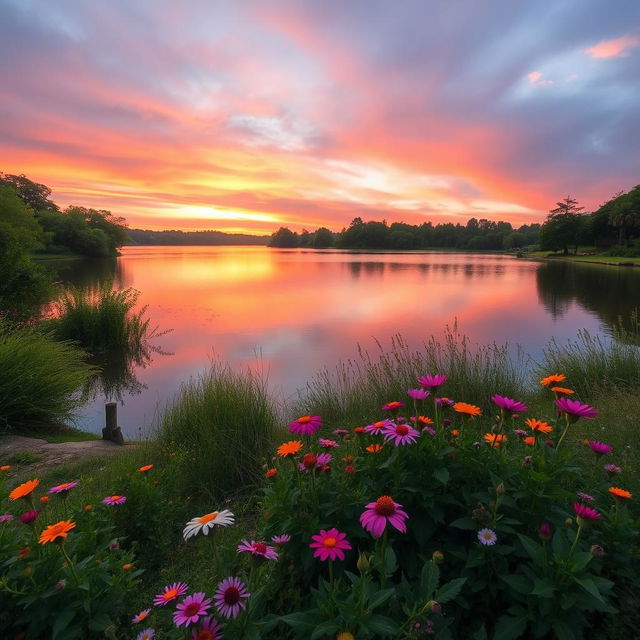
<point>39,378</point>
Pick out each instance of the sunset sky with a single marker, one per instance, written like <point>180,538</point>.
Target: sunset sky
<point>244,115</point>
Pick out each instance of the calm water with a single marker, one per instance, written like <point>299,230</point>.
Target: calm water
<point>294,311</point>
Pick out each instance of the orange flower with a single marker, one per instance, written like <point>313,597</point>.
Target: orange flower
<point>127,566</point>
<point>529,441</point>
<point>88,507</point>
<point>44,499</point>
<point>145,468</point>
<point>538,425</point>
<point>455,432</point>
<point>289,448</point>
<point>558,377</point>
<point>467,409</point>
<point>616,492</point>
<point>374,448</point>
<point>271,472</point>
<point>425,421</point>
<point>5,467</point>
<point>495,439</point>
<point>562,390</point>
<point>24,490</point>
<point>54,531</point>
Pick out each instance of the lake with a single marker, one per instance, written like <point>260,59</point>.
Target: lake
<point>292,311</point>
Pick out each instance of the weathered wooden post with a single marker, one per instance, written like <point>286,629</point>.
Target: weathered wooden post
<point>112,431</point>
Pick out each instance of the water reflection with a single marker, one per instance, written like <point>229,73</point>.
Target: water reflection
<point>88,273</point>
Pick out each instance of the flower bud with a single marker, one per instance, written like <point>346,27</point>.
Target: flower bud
<point>434,606</point>
<point>544,531</point>
<point>568,522</point>
<point>500,489</point>
<point>597,550</point>
<point>61,584</point>
<point>363,563</point>
<point>527,462</point>
<point>437,557</point>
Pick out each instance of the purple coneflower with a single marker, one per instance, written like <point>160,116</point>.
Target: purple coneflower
<point>281,540</point>
<point>432,382</point>
<point>210,629</point>
<point>258,549</point>
<point>376,515</point>
<point>418,394</point>
<point>400,434</point>
<point>6,517</point>
<point>585,513</point>
<point>191,609</point>
<point>599,448</point>
<point>330,544</point>
<point>306,425</point>
<point>445,403</point>
<point>509,404</point>
<point>228,598</point>
<point>574,409</point>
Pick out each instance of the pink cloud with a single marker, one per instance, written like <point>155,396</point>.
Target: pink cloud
<point>617,48</point>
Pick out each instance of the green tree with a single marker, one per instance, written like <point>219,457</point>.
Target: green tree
<point>322,238</point>
<point>36,196</point>
<point>284,238</point>
<point>563,227</point>
<point>624,215</point>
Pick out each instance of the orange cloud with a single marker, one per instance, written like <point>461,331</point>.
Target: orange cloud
<point>617,48</point>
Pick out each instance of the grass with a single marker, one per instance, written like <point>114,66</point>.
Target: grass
<point>224,422</point>
<point>24,457</point>
<point>39,378</point>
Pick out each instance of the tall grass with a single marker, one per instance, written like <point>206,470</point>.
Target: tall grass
<point>225,423</point>
<point>39,378</point>
<point>347,392</point>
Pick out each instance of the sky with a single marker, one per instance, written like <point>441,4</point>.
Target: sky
<point>247,115</point>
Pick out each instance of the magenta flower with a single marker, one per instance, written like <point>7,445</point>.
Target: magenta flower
<point>170,593</point>
<point>544,531</point>
<point>281,540</point>
<point>599,448</point>
<point>306,425</point>
<point>509,404</point>
<point>191,609</point>
<point>330,544</point>
<point>445,402</point>
<point>418,394</point>
<point>376,515</point>
<point>228,598</point>
<point>64,487</point>
<point>210,629</point>
<point>400,434</point>
<point>429,430</point>
<point>340,432</point>
<point>432,382</point>
<point>396,405</point>
<point>378,427</point>
<point>328,444</point>
<point>585,513</point>
<point>29,516</point>
<point>574,409</point>
<point>585,496</point>
<point>258,549</point>
<point>110,501</point>
<point>6,517</point>
<point>611,469</point>
<point>324,459</point>
<point>311,461</point>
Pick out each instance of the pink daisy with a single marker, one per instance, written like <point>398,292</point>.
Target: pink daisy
<point>258,549</point>
<point>328,444</point>
<point>395,405</point>
<point>340,432</point>
<point>228,598</point>
<point>574,409</point>
<point>585,513</point>
<point>139,617</point>
<point>378,427</point>
<point>64,487</point>
<point>432,381</point>
<point>585,496</point>
<point>611,469</point>
<point>401,434</point>
<point>306,425</point>
<point>6,517</point>
<point>210,629</point>
<point>509,404</point>
<point>376,515</point>
<point>418,394</point>
<point>29,516</point>
<point>599,448</point>
<point>113,500</point>
<point>330,545</point>
<point>281,540</point>
<point>191,609</point>
<point>170,593</point>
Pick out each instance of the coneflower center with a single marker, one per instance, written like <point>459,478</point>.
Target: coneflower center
<point>192,609</point>
<point>304,419</point>
<point>231,595</point>
<point>330,542</point>
<point>385,506</point>
<point>260,547</point>
<point>402,429</point>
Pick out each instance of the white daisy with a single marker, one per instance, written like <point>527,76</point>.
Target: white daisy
<point>487,537</point>
<point>203,523</point>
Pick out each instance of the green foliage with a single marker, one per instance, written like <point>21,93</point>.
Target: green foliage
<point>223,422</point>
<point>39,378</point>
<point>564,227</point>
<point>284,238</point>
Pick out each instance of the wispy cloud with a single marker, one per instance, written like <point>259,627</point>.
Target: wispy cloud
<point>617,48</point>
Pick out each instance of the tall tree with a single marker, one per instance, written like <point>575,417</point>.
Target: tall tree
<point>563,227</point>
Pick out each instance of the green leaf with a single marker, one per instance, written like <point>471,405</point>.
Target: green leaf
<point>464,523</point>
<point>590,587</point>
<point>299,621</point>
<point>441,475</point>
<point>99,622</point>
<point>380,597</point>
<point>562,631</point>
<point>429,578</point>
<point>518,583</point>
<point>325,628</point>
<point>390,561</point>
<point>450,590</point>
<point>534,550</point>
<point>382,625</point>
<point>543,588</point>
<point>62,622</point>
<point>509,628</point>
<point>580,561</point>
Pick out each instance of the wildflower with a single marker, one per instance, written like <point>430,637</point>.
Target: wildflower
<point>597,550</point>
<point>281,540</point>
<point>495,439</point>
<point>396,405</point>
<point>359,430</point>
<point>202,524</point>
<point>527,462</point>
<point>271,473</point>
<point>143,615</point>
<point>434,606</point>
<point>345,635</point>
<point>374,448</point>
<point>563,391</point>
<point>585,497</point>
<point>88,507</point>
<point>324,459</point>
<point>24,490</point>
<point>538,425</point>
<point>111,501</point>
<point>520,433</point>
<point>309,461</point>
<point>422,421</point>
<point>145,468</point>
<point>306,425</point>
<point>349,469</point>
<point>147,634</point>
<point>330,544</point>
<point>432,382</point>
<point>64,487</point>
<point>508,404</point>
<point>127,566</point>
<point>612,469</point>
<point>54,531</point>
<point>61,584</point>
<point>290,448</point>
<point>574,409</point>
<point>376,515</point>
<point>620,494</point>
<point>467,409</point>
<point>6,517</point>
<point>229,597</point>
<point>258,549</point>
<point>418,394</point>
<point>445,403</point>
<point>530,441</point>
<point>43,499</point>
<point>328,444</point>
<point>210,629</point>
<point>191,609</point>
<point>29,516</point>
<point>400,434</point>
<point>585,514</point>
<point>378,427</point>
<point>24,552</point>
<point>5,467</point>
<point>171,592</point>
<point>341,433</point>
<point>544,531</point>
<point>599,448</point>
<point>455,432</point>
<point>487,537</point>
<point>558,377</point>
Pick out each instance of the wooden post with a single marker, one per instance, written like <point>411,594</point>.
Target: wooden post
<point>112,431</point>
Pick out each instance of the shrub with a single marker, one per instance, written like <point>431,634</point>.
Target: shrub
<point>39,377</point>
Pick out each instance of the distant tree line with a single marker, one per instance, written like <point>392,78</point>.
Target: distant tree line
<point>476,235</point>
<point>174,237</point>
